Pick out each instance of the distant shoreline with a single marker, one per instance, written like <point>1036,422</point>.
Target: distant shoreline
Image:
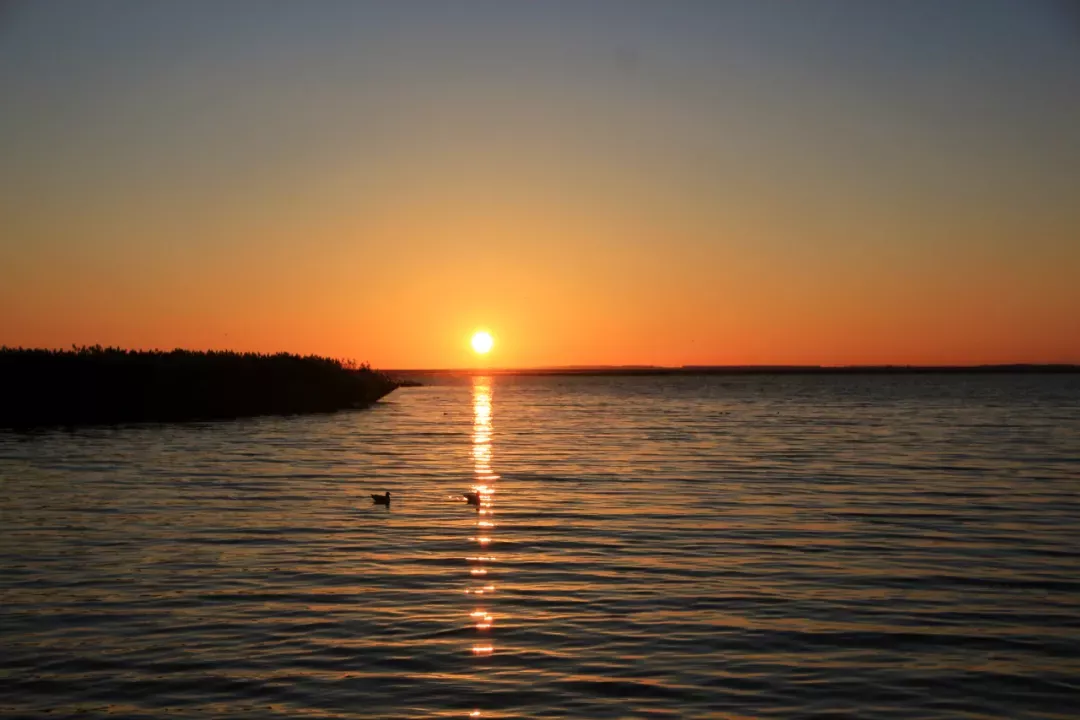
<point>1009,369</point>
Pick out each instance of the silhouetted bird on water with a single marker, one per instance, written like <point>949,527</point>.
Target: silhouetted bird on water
<point>473,498</point>
<point>381,499</point>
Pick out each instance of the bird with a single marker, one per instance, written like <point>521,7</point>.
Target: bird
<point>473,498</point>
<point>381,499</point>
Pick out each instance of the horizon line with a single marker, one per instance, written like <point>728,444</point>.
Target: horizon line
<point>746,369</point>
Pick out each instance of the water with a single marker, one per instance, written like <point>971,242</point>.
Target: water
<point>888,547</point>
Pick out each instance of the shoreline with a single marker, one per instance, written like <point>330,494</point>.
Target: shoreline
<point>734,370</point>
<point>103,386</point>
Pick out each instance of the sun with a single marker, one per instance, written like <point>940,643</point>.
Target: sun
<point>482,342</point>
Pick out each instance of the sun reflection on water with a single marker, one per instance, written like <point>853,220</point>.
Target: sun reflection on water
<point>484,479</point>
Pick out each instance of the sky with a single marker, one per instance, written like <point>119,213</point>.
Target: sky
<point>669,183</point>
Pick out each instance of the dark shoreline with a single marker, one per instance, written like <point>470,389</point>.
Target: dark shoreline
<point>620,371</point>
<point>96,386</point>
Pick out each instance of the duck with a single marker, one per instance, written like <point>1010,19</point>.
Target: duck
<point>381,499</point>
<point>473,498</point>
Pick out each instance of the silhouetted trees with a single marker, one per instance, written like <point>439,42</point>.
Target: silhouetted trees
<point>107,385</point>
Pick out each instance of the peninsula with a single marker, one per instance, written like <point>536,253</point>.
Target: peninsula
<point>95,385</point>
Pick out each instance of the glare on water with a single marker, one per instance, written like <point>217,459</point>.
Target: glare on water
<point>695,547</point>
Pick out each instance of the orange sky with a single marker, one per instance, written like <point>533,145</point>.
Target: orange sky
<point>629,185</point>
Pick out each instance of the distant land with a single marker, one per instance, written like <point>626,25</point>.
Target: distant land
<point>616,370</point>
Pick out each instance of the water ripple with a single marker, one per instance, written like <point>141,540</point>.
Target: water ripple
<point>892,547</point>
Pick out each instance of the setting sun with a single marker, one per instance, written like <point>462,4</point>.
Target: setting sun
<point>482,342</point>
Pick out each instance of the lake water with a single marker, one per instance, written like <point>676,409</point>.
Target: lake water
<point>785,546</point>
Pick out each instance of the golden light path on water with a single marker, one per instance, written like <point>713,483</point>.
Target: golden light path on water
<point>484,480</point>
<point>761,546</point>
